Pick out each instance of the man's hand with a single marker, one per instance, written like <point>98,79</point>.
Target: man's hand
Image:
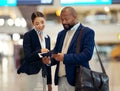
<point>58,57</point>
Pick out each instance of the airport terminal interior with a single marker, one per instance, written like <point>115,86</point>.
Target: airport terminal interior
<point>15,21</point>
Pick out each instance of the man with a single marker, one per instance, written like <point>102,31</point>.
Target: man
<point>66,58</point>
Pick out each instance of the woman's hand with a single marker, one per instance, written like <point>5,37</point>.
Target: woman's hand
<point>44,50</point>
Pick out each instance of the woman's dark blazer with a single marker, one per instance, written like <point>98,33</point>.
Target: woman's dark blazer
<point>32,47</point>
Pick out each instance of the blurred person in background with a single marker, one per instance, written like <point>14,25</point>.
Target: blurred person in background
<point>66,57</point>
<point>37,41</point>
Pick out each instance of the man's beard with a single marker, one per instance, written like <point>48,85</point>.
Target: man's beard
<point>67,26</point>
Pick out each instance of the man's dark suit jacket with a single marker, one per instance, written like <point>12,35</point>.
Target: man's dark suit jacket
<point>71,59</point>
<point>31,47</point>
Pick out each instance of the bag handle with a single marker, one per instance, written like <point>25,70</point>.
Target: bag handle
<point>78,49</point>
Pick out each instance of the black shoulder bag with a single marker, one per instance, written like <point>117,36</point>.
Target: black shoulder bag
<point>88,80</point>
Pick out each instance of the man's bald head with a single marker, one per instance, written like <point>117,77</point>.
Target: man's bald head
<point>69,9</point>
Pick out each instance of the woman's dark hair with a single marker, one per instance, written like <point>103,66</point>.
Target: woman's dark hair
<point>36,14</point>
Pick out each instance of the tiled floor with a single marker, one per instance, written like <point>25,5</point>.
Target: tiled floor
<point>10,81</point>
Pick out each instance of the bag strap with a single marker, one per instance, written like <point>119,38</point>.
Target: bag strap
<point>78,49</point>
<point>100,61</point>
<point>79,40</point>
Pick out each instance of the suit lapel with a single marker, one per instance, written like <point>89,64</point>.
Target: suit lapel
<point>62,40</point>
<point>36,40</point>
<point>47,43</point>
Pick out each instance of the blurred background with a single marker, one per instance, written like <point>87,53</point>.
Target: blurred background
<point>103,16</point>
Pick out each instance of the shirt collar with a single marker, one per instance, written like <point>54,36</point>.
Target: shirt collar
<point>44,34</point>
<point>75,26</point>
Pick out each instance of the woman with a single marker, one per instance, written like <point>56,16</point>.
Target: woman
<point>36,41</point>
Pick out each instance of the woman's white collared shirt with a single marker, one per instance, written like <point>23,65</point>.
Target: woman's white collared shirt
<point>42,36</point>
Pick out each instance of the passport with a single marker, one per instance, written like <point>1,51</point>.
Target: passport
<point>47,54</point>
